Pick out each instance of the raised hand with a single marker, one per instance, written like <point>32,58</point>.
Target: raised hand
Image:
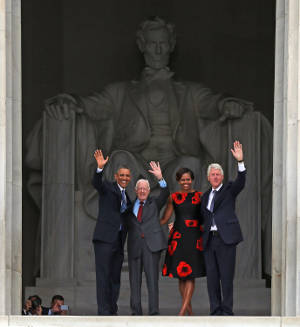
<point>156,171</point>
<point>237,151</point>
<point>100,159</point>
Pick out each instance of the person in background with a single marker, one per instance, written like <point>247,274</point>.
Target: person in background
<point>58,306</point>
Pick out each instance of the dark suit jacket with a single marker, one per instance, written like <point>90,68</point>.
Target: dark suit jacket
<point>109,216</point>
<point>45,311</point>
<point>224,211</point>
<point>149,226</point>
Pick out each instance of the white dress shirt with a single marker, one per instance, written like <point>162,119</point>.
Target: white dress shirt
<point>241,167</point>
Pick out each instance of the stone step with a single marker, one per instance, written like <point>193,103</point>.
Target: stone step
<point>159,321</point>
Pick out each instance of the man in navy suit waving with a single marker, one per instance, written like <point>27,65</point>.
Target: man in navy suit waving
<point>222,233</point>
<point>109,235</point>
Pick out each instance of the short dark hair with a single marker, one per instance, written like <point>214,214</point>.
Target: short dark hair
<point>182,171</point>
<point>35,297</point>
<point>122,167</point>
<point>57,297</point>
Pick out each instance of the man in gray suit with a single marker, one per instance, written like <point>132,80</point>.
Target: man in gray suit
<point>145,242</point>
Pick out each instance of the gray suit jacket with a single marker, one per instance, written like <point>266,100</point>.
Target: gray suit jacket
<point>149,227</point>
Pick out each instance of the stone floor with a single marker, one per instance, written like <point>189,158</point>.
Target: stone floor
<point>251,297</point>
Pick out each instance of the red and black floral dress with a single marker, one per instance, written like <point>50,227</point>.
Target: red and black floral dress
<point>184,257</point>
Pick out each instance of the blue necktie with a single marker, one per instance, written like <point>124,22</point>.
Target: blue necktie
<point>212,204</point>
<point>123,202</point>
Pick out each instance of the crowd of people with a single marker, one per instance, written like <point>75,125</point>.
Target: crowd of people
<point>33,306</point>
<point>202,240</point>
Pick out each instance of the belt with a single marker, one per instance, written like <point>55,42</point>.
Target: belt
<point>214,233</point>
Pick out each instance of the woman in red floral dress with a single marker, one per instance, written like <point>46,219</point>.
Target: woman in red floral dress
<point>184,257</point>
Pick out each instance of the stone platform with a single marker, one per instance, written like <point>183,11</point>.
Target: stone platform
<point>159,321</point>
<point>251,298</point>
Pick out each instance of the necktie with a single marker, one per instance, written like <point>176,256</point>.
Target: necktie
<point>212,204</point>
<point>140,212</point>
<point>123,202</point>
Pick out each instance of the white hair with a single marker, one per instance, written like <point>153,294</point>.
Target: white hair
<point>142,180</point>
<point>214,166</point>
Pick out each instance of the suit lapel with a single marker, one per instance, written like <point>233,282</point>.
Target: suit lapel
<point>146,217</point>
<point>116,190</point>
<point>128,199</point>
<point>220,196</point>
<point>205,198</point>
<point>137,95</point>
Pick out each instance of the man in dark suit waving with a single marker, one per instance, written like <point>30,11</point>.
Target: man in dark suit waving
<point>146,240</point>
<point>109,235</point>
<point>222,233</point>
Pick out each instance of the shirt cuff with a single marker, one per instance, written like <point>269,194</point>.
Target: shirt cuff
<point>241,166</point>
<point>99,170</point>
<point>162,183</point>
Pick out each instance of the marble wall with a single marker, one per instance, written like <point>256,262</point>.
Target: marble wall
<point>10,158</point>
<point>286,186</point>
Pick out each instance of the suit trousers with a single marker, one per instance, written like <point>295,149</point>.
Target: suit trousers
<point>220,266</point>
<point>109,259</point>
<point>149,262</point>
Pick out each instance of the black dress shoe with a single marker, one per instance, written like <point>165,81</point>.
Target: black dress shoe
<point>217,312</point>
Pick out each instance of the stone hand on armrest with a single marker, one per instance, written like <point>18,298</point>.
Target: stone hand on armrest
<point>60,106</point>
<point>233,108</point>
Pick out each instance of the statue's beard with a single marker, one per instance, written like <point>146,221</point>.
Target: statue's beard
<point>157,63</point>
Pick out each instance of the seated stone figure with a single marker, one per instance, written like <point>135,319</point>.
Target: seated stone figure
<point>179,124</point>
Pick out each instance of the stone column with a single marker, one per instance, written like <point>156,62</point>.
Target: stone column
<point>57,252</point>
<point>286,169</point>
<point>10,158</point>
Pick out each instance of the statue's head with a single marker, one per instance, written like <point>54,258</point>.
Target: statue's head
<point>156,39</point>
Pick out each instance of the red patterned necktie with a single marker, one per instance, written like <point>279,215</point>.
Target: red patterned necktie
<point>140,212</point>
